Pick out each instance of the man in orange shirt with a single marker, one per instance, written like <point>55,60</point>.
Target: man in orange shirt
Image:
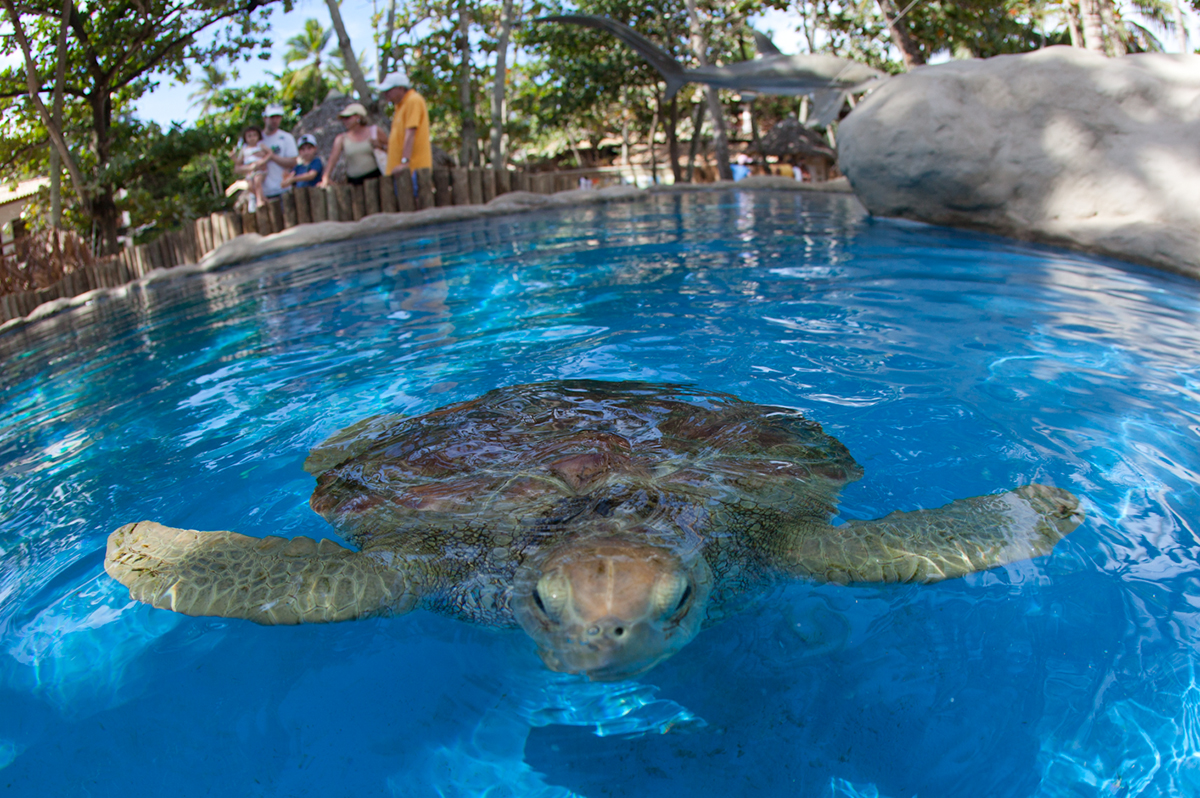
<point>408,144</point>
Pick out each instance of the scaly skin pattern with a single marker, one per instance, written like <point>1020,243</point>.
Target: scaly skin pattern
<point>960,538</point>
<point>268,580</point>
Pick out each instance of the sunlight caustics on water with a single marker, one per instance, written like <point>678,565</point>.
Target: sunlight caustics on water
<point>950,364</point>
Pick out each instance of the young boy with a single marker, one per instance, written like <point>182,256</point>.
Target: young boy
<point>309,170</point>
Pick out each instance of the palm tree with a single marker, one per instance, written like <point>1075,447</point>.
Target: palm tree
<point>305,84</point>
<point>306,49</point>
<point>211,81</point>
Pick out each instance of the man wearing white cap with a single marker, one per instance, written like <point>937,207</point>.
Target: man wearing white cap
<point>283,151</point>
<point>408,145</point>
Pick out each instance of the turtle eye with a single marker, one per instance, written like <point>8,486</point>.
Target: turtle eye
<point>551,595</point>
<point>687,594</point>
<point>670,593</point>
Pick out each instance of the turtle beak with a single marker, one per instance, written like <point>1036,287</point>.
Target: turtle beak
<point>611,649</point>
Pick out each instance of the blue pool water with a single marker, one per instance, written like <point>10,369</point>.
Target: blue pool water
<point>950,364</point>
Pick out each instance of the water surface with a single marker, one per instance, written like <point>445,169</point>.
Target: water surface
<point>951,365</point>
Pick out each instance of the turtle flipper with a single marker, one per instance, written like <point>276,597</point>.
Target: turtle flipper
<point>268,580</point>
<point>962,537</point>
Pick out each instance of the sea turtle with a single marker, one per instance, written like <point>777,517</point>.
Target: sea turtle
<point>609,520</point>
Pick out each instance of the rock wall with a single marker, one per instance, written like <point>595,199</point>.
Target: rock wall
<point>1061,145</point>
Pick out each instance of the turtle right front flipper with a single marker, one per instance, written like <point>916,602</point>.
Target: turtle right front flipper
<point>268,580</point>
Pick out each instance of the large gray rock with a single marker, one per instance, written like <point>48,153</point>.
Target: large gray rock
<point>1061,145</point>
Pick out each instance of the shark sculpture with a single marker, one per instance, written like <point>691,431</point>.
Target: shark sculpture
<point>826,77</point>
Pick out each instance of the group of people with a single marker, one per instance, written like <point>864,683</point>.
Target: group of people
<point>272,161</point>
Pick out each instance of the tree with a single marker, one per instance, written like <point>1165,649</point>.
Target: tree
<point>586,79</point>
<point>499,82</point>
<point>212,80</point>
<point>466,88</point>
<point>115,52</point>
<point>910,51</point>
<point>306,84</point>
<point>700,48</point>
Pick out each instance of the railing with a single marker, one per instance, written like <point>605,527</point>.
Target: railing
<point>339,203</point>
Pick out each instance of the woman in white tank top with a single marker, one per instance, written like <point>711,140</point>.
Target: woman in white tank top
<point>358,143</point>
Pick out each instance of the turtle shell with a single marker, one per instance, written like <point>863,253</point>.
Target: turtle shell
<point>549,458</point>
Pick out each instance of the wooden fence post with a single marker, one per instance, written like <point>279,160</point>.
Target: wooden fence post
<point>460,185</point>
<point>388,199</point>
<point>341,196</point>
<point>204,235</point>
<point>520,180</point>
<point>489,185</point>
<point>287,201</point>
<point>219,227</point>
<point>371,196</point>
<point>424,189</point>
<point>358,204</point>
<point>402,190</point>
<point>317,203</point>
<point>303,209</point>
<point>441,187</point>
<point>475,185</point>
<point>276,207</point>
<point>262,218</point>
<point>503,179</point>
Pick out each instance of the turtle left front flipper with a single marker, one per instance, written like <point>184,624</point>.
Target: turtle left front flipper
<point>268,580</point>
<point>959,538</point>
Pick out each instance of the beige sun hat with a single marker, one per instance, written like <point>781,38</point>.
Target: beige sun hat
<point>354,109</point>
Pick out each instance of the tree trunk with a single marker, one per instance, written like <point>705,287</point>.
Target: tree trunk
<point>356,75</point>
<point>60,79</point>
<point>1114,41</point>
<point>1073,25</point>
<point>1093,29</point>
<point>625,134</point>
<point>385,52</point>
<point>701,107</point>
<point>574,149</point>
<point>466,99</point>
<point>653,134</point>
<point>673,139</point>
<point>104,206</point>
<point>35,86</point>
<point>755,139</point>
<point>720,135</point>
<point>910,51</point>
<point>1180,27</point>
<point>497,131</point>
<point>808,28</point>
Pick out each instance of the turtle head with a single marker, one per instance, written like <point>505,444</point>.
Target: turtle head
<point>612,608</point>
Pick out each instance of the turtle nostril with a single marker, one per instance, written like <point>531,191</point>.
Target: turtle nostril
<point>620,630</point>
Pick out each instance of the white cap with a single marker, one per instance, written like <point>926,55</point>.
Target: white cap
<point>274,109</point>
<point>394,80</point>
